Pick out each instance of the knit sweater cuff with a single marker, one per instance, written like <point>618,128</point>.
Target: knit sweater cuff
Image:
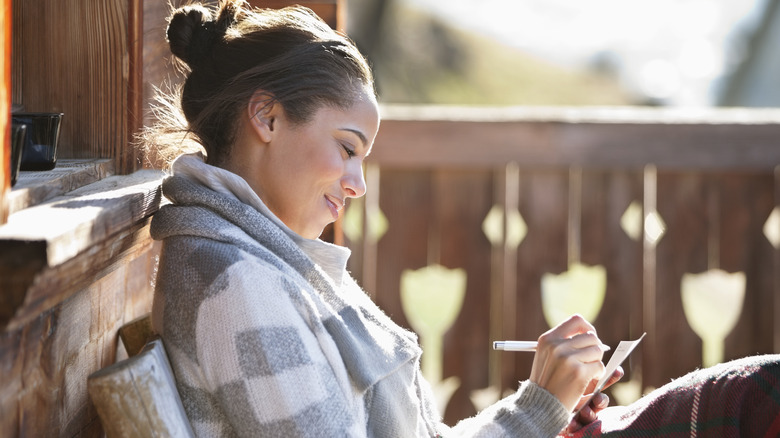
<point>541,409</point>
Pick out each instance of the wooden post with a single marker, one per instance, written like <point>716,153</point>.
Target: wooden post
<point>5,105</point>
<point>127,159</point>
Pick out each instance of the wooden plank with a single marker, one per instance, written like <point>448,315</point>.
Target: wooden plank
<point>582,114</point>
<point>47,287</point>
<point>53,248</point>
<point>717,140</point>
<point>501,187</point>
<point>543,203</point>
<point>682,204</point>
<point>127,157</point>
<point>405,245</point>
<point>85,216</point>
<point>46,361</point>
<point>136,334</point>
<point>700,236</point>
<point>34,188</point>
<point>745,201</point>
<point>462,200</point>
<point>605,198</point>
<point>364,247</point>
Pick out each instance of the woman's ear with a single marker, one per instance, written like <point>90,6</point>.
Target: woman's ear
<point>262,109</point>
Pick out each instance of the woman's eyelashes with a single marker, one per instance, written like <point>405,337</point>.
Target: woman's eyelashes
<point>348,150</point>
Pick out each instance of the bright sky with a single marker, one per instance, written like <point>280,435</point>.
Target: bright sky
<point>666,49</point>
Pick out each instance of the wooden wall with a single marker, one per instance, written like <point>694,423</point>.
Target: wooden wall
<point>44,364</point>
<point>98,62</point>
<point>80,58</point>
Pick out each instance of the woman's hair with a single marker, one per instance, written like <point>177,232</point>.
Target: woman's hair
<point>232,51</point>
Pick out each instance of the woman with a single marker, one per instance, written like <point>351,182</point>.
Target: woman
<point>266,331</point>
<point>265,328</point>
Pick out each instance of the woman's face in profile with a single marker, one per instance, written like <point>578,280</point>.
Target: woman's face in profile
<point>310,169</point>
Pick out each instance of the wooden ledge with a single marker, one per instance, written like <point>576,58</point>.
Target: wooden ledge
<point>50,251</point>
<point>33,188</point>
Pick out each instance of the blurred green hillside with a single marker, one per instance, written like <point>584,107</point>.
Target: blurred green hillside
<point>419,59</point>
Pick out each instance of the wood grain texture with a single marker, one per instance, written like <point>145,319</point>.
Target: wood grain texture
<point>73,57</point>
<point>137,397</point>
<point>533,138</point>
<point>45,362</point>
<point>136,334</point>
<point>44,287</point>
<point>77,57</point>
<point>51,250</point>
<point>34,188</point>
<point>464,196</point>
<point>744,202</point>
<point>73,222</point>
<point>543,201</point>
<point>128,157</point>
<point>407,202</point>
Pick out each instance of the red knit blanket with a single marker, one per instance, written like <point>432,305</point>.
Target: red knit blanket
<point>735,399</point>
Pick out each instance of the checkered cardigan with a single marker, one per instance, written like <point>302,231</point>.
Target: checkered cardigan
<point>268,334</point>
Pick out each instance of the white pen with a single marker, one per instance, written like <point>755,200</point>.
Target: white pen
<point>525,346</point>
<point>515,345</point>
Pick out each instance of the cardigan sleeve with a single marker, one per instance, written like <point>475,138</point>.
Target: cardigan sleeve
<point>529,412</point>
<point>262,370</point>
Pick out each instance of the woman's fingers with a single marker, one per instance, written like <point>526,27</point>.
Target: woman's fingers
<point>587,339</point>
<point>588,413</point>
<point>567,359</point>
<point>616,376</point>
<point>574,325</point>
<point>575,332</point>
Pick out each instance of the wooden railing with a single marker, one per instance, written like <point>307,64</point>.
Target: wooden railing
<point>647,195</point>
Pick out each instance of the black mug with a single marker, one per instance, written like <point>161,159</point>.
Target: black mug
<point>18,137</point>
<point>40,146</point>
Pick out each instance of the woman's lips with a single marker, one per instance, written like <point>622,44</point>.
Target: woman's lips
<point>335,205</point>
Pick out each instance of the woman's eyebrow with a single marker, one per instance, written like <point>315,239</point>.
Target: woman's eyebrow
<point>359,134</point>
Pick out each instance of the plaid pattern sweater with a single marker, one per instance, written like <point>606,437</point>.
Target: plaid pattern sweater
<point>740,398</point>
<point>269,335</point>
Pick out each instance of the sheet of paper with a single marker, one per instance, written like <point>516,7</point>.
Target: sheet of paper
<point>621,353</point>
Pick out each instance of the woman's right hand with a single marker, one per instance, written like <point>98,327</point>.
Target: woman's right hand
<point>567,359</point>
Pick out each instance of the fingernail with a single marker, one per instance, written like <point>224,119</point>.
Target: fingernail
<point>604,347</point>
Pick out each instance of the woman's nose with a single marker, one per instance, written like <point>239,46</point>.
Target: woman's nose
<point>353,181</point>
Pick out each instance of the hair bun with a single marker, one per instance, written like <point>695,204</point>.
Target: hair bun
<point>228,15</point>
<point>191,34</point>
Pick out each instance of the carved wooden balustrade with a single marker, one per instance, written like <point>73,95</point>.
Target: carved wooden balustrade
<point>515,195</point>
